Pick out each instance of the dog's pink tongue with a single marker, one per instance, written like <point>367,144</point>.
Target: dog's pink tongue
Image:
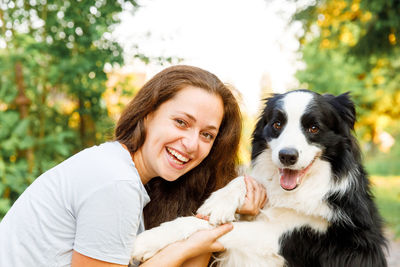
<point>289,179</point>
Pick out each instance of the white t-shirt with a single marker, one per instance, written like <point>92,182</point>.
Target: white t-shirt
<point>91,203</point>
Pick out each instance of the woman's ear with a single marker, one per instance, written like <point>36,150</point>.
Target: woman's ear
<point>146,119</point>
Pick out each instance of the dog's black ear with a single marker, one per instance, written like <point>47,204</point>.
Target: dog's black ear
<point>258,143</point>
<point>344,106</point>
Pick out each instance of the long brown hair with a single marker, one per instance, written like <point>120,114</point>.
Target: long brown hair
<point>183,196</point>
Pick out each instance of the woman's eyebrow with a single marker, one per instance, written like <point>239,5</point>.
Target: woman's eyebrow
<point>210,127</point>
<point>189,116</point>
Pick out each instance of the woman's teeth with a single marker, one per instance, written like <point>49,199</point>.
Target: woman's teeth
<point>178,156</point>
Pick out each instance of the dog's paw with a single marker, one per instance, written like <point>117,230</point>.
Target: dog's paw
<point>217,213</point>
<point>221,206</point>
<point>148,243</point>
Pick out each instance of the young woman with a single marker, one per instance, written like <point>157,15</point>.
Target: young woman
<point>178,137</point>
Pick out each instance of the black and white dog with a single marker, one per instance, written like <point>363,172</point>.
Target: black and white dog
<point>320,211</point>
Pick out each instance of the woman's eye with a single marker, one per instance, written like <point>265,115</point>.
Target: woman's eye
<point>277,125</point>
<point>313,129</point>
<point>208,136</point>
<point>180,123</point>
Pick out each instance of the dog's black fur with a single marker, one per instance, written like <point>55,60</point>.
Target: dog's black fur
<point>354,238</point>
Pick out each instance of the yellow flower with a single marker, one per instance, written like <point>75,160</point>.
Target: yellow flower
<point>392,39</point>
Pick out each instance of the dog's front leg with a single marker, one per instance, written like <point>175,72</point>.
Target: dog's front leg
<point>151,241</point>
<point>222,205</point>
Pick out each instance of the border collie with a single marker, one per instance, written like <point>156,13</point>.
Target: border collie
<point>320,211</point>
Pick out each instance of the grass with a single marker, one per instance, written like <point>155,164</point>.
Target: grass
<point>386,190</point>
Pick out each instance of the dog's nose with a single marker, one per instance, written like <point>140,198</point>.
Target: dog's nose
<point>288,156</point>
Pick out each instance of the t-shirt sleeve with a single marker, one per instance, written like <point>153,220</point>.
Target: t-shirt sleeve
<point>108,221</point>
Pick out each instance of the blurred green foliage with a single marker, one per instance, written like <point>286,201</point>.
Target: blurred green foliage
<point>52,83</point>
<point>387,193</point>
<point>353,45</point>
<point>380,163</point>
<point>52,58</point>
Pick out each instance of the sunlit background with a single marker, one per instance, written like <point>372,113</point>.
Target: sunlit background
<point>250,45</point>
<point>69,67</point>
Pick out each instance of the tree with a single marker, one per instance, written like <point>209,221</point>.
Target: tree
<point>52,56</point>
<point>351,45</point>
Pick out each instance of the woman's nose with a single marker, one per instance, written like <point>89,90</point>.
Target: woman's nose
<point>191,142</point>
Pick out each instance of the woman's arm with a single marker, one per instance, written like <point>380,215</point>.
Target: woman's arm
<point>194,251</point>
<point>174,255</point>
<point>80,260</point>
<point>199,261</point>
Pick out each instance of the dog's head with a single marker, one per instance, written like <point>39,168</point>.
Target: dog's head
<point>299,129</point>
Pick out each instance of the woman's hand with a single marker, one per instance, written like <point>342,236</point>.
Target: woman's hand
<point>193,251</point>
<point>206,241</point>
<point>256,197</point>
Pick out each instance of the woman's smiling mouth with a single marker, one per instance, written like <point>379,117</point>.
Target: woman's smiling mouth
<point>177,157</point>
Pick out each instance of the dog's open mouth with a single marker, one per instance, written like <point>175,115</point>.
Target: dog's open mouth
<point>291,179</point>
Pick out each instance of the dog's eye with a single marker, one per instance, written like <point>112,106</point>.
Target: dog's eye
<point>313,129</point>
<point>277,125</point>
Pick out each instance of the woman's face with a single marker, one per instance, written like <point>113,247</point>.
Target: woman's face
<point>180,134</point>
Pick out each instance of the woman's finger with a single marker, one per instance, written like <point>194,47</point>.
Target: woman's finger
<point>259,195</point>
<point>263,195</point>
<point>255,197</point>
<point>265,198</point>
<point>249,188</point>
<point>221,230</point>
<point>259,188</point>
<point>249,198</point>
<point>258,192</point>
<point>203,217</point>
